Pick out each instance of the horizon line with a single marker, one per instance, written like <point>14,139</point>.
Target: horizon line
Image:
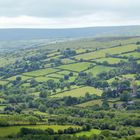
<point>69,27</point>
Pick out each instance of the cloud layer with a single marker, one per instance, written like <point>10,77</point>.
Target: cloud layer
<point>73,13</point>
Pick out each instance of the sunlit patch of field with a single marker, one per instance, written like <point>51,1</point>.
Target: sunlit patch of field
<point>103,52</point>
<point>98,69</point>
<point>76,66</point>
<point>40,72</point>
<point>79,92</point>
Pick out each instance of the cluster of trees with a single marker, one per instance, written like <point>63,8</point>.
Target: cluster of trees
<point>68,53</point>
<point>35,134</point>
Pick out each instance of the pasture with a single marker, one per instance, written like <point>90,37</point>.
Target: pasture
<point>3,82</point>
<point>79,92</point>
<point>77,67</point>
<point>110,60</point>
<point>67,61</point>
<point>98,69</point>
<point>88,133</point>
<point>103,52</point>
<point>22,77</point>
<point>40,72</point>
<point>90,103</point>
<point>132,54</point>
<point>5,131</point>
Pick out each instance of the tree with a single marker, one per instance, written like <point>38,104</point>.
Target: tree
<point>125,96</point>
<point>66,77</point>
<point>70,100</point>
<point>33,83</point>
<point>43,94</point>
<point>18,78</point>
<point>42,108</point>
<point>105,104</point>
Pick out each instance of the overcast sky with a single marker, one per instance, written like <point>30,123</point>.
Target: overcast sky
<point>68,13</point>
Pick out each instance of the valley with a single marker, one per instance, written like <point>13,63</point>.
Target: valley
<point>75,90</point>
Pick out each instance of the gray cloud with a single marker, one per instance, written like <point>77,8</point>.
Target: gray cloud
<point>63,8</point>
<point>64,11</point>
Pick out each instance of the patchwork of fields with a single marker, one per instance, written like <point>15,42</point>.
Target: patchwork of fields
<point>59,89</point>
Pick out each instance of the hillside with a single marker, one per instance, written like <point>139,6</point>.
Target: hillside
<point>71,88</point>
<point>29,34</point>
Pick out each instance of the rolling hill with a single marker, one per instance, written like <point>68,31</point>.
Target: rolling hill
<point>29,34</point>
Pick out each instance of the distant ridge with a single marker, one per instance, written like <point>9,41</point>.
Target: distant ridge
<point>29,34</point>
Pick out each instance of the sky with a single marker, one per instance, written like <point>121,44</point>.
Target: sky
<point>68,13</point>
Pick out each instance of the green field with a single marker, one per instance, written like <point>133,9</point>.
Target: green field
<point>131,76</point>
<point>89,133</point>
<point>73,68</point>
<point>6,61</point>
<point>91,103</point>
<point>5,131</point>
<point>2,82</point>
<point>133,54</point>
<point>80,92</point>
<point>98,69</point>
<point>56,75</point>
<point>138,82</point>
<point>67,61</point>
<point>43,79</point>
<point>138,61</point>
<point>80,51</point>
<point>22,77</point>
<point>76,66</point>
<point>102,53</point>
<point>65,72</point>
<point>40,72</point>
<point>127,76</point>
<point>110,60</point>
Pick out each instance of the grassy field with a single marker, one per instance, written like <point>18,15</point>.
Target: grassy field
<point>2,107</point>
<point>110,60</point>
<point>102,53</point>
<point>138,61</point>
<point>53,54</point>
<point>67,61</point>
<point>79,92</point>
<point>56,75</point>
<point>6,61</point>
<point>2,82</point>
<point>65,72</point>
<point>98,69</point>
<point>91,103</point>
<point>5,131</point>
<point>40,72</point>
<point>76,66</point>
<point>22,77</point>
<point>131,76</point>
<point>89,133</point>
<point>133,54</point>
<point>138,82</point>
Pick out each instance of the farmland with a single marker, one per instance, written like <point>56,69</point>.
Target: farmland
<point>98,69</point>
<point>102,53</point>
<point>78,88</point>
<point>76,66</point>
<point>40,72</point>
<point>79,92</point>
<point>110,60</point>
<point>5,131</point>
